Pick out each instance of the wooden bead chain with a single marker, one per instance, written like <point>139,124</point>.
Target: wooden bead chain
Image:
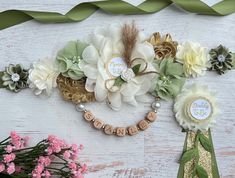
<point>98,124</point>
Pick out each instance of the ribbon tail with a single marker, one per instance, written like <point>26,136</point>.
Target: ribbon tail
<point>198,158</point>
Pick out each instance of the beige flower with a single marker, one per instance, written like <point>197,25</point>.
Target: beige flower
<point>194,57</point>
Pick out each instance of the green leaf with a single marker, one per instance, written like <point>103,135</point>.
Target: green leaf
<point>205,142</point>
<point>118,81</point>
<point>201,172</point>
<point>188,155</point>
<point>136,68</point>
<point>233,54</point>
<point>1,82</point>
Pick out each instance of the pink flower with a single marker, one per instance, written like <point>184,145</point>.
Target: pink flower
<point>73,166</point>
<point>15,139</point>
<point>74,148</point>
<point>66,154</point>
<point>46,174</point>
<point>39,168</point>
<point>9,148</point>
<point>81,146</point>
<point>18,169</point>
<point>2,167</point>
<point>35,174</point>
<point>74,157</point>
<point>11,168</point>
<point>84,168</point>
<point>46,161</point>
<point>9,157</point>
<point>25,141</point>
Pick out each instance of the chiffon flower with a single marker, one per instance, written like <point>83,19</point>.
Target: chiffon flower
<point>42,76</point>
<point>201,117</point>
<point>103,66</point>
<point>194,57</point>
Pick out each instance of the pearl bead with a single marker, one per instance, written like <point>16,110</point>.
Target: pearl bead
<point>80,107</point>
<point>156,105</point>
<point>15,77</point>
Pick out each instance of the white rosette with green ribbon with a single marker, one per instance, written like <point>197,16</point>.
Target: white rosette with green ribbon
<point>196,110</point>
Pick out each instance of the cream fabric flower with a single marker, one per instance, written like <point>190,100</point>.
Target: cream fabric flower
<point>195,108</point>
<point>102,64</point>
<point>42,76</point>
<point>194,57</point>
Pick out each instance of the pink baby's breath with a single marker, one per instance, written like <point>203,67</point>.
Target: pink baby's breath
<point>2,167</point>
<point>11,168</point>
<point>9,148</point>
<point>9,157</point>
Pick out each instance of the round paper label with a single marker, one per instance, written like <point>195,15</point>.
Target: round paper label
<point>200,109</point>
<point>116,65</point>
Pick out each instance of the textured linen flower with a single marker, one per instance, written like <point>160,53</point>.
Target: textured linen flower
<point>42,76</point>
<point>170,80</point>
<point>68,60</point>
<point>103,66</point>
<point>194,57</point>
<point>14,78</point>
<point>195,108</point>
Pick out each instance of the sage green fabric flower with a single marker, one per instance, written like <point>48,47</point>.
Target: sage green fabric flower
<point>68,60</point>
<point>170,80</point>
<point>221,59</point>
<point>14,78</point>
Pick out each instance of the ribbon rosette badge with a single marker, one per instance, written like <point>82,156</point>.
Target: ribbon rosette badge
<point>196,108</point>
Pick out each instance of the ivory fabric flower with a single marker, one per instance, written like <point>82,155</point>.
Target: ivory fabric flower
<point>196,108</point>
<point>42,76</point>
<point>194,57</point>
<point>107,73</point>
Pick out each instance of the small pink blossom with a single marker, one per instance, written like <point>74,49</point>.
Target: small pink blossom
<point>39,168</point>
<point>73,166</point>
<point>66,154</point>
<point>46,161</point>
<point>74,148</point>
<point>35,174</point>
<point>9,148</point>
<point>46,174</point>
<point>84,168</point>
<point>11,168</point>
<point>2,167</point>
<point>81,146</point>
<point>9,157</point>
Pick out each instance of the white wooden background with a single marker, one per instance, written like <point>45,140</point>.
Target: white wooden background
<point>152,153</point>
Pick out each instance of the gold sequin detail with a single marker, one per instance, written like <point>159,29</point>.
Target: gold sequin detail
<point>204,157</point>
<point>74,91</point>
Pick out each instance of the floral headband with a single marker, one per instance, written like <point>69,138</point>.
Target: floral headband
<point>120,64</point>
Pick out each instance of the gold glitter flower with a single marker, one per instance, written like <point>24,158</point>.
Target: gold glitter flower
<point>163,45</point>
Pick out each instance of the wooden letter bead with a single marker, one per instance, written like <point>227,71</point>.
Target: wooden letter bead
<point>151,116</point>
<point>143,124</point>
<point>98,123</point>
<point>108,129</point>
<point>121,131</point>
<point>132,130</point>
<point>88,116</point>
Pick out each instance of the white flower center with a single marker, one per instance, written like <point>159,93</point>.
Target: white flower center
<point>200,109</point>
<point>115,66</point>
<point>221,58</point>
<point>15,77</point>
<point>127,74</point>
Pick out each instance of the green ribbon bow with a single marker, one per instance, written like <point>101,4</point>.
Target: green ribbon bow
<point>83,10</point>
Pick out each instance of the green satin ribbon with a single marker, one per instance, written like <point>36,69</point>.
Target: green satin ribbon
<point>84,10</point>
